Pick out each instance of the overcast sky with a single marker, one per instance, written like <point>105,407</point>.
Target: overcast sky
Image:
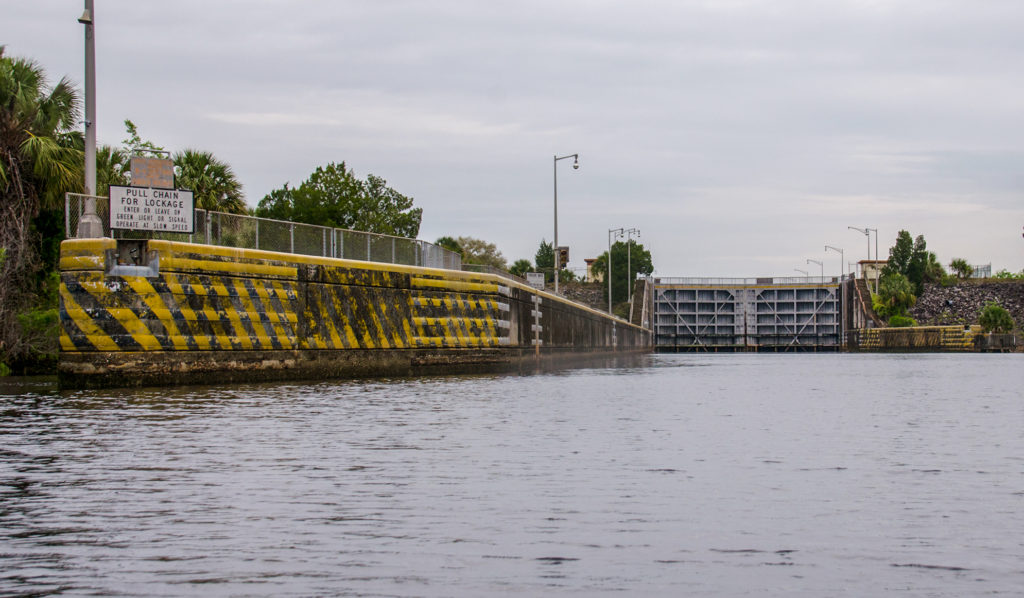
<point>740,137</point>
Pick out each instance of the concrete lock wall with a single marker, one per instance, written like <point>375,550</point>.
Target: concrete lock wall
<point>159,312</point>
<point>917,338</point>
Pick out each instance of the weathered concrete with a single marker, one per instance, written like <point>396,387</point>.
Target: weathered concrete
<point>915,338</point>
<point>198,313</point>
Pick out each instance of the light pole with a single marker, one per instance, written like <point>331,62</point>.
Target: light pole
<point>629,261</point>
<point>840,294</point>
<point>618,233</point>
<point>822,264</point>
<point>90,226</point>
<point>804,272</point>
<point>575,166</point>
<point>867,233</point>
<point>842,269</point>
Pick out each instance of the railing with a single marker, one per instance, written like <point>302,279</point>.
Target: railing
<point>778,280</point>
<point>249,232</point>
<point>492,270</point>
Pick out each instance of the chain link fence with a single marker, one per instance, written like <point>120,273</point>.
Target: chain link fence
<point>249,232</point>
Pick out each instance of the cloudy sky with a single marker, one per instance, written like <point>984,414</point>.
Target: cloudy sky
<point>739,136</point>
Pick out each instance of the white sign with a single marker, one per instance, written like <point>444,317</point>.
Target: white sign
<point>535,279</point>
<point>145,208</point>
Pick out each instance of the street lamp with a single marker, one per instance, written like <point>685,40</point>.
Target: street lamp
<point>842,270</point>
<point>804,272</point>
<point>90,226</point>
<point>629,263</point>
<point>822,264</point>
<point>839,291</point>
<point>867,233</point>
<point>575,166</point>
<point>618,232</point>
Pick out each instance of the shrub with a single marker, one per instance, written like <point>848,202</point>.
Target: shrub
<point>994,318</point>
<point>902,322</point>
<point>947,280</point>
<point>1005,274</point>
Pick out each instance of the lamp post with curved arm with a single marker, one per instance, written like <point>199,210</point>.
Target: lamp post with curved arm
<point>618,232</point>
<point>575,166</point>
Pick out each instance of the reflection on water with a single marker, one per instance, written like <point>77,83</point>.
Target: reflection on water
<point>714,475</point>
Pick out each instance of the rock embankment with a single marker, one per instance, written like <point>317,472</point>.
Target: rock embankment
<point>960,304</point>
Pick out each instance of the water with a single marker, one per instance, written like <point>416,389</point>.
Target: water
<point>698,475</point>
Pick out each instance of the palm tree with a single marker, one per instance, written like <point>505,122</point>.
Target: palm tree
<point>40,159</point>
<point>211,181</point>
<point>112,167</point>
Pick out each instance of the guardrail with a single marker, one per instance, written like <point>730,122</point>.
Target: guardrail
<point>250,232</point>
<point>768,280</point>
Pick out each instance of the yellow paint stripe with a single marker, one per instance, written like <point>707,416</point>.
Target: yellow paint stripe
<point>135,327</point>
<point>262,340</point>
<point>182,300</point>
<point>144,289</point>
<point>232,312</point>
<point>276,291</point>
<point>82,262</point>
<point>325,316</point>
<point>65,341</point>
<point>418,282</point>
<point>250,269</point>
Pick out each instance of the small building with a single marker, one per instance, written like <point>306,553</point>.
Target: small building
<point>871,271</point>
<point>591,276</point>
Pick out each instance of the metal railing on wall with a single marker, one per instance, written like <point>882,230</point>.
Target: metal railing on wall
<point>250,232</point>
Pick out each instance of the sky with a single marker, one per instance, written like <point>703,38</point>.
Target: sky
<point>740,137</point>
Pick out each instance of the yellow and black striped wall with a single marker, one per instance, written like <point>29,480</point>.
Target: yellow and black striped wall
<point>159,312</point>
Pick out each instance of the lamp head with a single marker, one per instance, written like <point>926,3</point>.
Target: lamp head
<point>86,18</point>
<point>576,164</point>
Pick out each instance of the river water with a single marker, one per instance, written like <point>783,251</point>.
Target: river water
<point>697,475</point>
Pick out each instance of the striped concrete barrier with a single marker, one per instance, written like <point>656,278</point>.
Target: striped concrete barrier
<point>158,312</point>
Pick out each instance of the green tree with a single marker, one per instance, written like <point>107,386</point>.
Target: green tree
<point>134,144</point>
<point>41,158</point>
<point>895,296</point>
<point>333,196</point>
<point>912,259</point>
<point>638,259</point>
<point>212,182</point>
<point>112,168</point>
<point>520,267</point>
<point>961,268</point>
<point>450,244</point>
<point>994,318</point>
<point>545,260</point>
<point>480,252</point>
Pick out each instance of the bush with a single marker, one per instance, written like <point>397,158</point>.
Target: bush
<point>902,322</point>
<point>1005,274</point>
<point>947,280</point>
<point>994,318</point>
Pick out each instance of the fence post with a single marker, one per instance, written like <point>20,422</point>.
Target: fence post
<point>257,232</point>
<point>291,234</point>
<point>324,252</point>
<point>394,256</point>
<point>369,255</point>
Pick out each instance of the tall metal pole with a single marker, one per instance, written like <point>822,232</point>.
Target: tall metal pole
<point>617,231</point>
<point>629,262</point>
<point>575,165</point>
<point>90,225</point>
<point>840,294</point>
